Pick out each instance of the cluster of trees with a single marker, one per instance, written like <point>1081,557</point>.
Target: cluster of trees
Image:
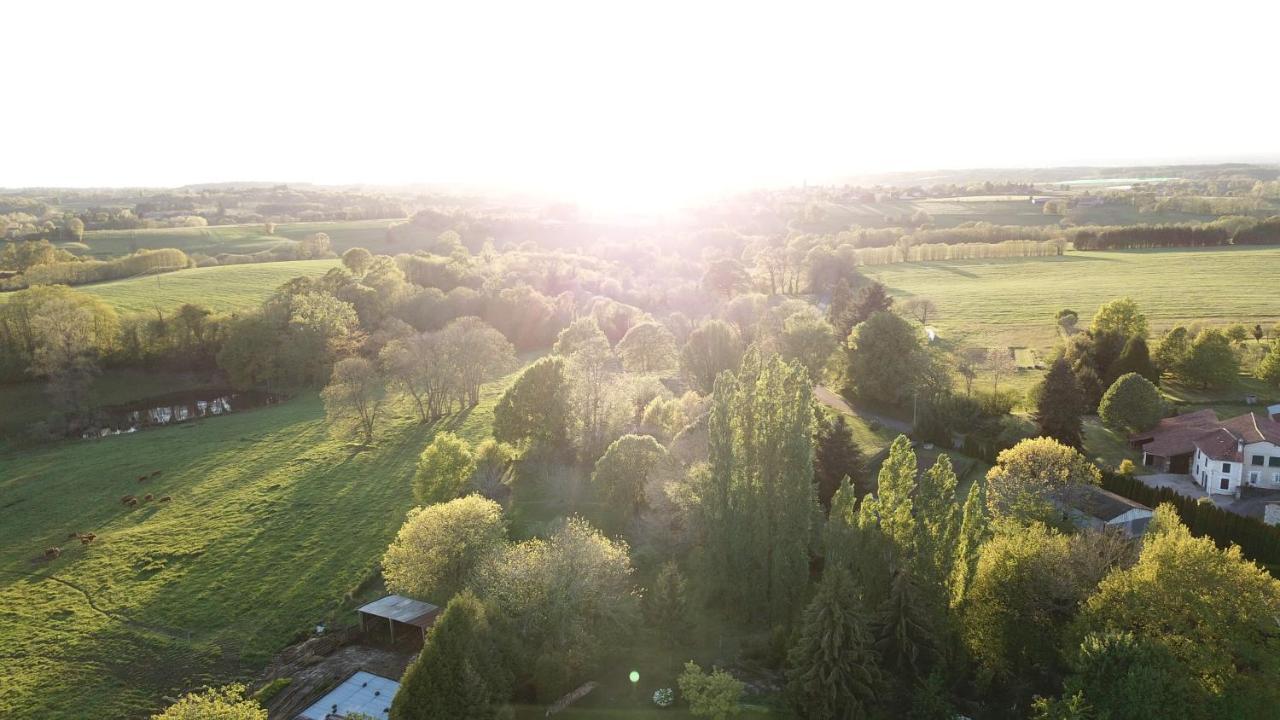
<point>42,266</point>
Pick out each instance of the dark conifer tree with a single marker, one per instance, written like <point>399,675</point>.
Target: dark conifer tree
<point>871,300</point>
<point>836,456</point>
<point>1136,358</point>
<point>458,673</point>
<point>832,670</point>
<point>1061,405</point>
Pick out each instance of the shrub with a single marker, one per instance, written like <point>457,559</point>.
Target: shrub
<point>1131,403</point>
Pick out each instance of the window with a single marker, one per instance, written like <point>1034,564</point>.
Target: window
<point>1259,459</point>
<point>1253,477</point>
<point>1226,467</point>
<point>1274,462</point>
<point>1225,484</point>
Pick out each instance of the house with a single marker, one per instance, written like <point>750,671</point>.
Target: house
<point>1221,456</point>
<point>1098,509</point>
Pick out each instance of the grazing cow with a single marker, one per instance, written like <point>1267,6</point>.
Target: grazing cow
<point>165,498</point>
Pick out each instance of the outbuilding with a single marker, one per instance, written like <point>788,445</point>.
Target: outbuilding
<point>398,612</point>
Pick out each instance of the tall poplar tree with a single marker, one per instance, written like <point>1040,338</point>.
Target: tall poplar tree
<point>758,499</point>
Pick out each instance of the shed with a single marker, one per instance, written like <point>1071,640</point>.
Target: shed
<point>362,692</point>
<point>399,610</point>
<point>1092,507</point>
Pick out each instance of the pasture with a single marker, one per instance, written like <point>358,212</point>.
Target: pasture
<point>222,288</point>
<point>236,238</point>
<point>1011,302</point>
<point>273,527</point>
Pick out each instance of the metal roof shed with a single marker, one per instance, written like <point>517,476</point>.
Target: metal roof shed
<point>400,610</point>
<point>362,692</point>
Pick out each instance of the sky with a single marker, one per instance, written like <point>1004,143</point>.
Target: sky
<point>611,102</point>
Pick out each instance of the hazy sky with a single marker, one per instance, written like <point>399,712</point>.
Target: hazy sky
<point>641,100</point>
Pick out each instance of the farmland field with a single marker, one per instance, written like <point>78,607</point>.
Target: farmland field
<point>235,238</point>
<point>221,288</point>
<point>272,526</point>
<point>1012,301</point>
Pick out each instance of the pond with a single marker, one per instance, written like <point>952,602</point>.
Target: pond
<point>173,408</point>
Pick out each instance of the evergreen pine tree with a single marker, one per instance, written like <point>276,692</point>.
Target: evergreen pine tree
<point>1136,358</point>
<point>667,608</point>
<point>832,670</point>
<point>840,311</point>
<point>458,674</point>
<point>904,635</point>
<point>870,300</point>
<point>836,457</point>
<point>1061,406</point>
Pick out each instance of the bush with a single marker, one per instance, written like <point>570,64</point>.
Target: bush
<point>1132,403</point>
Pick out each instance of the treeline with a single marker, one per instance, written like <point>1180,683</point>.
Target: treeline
<point>967,251</point>
<point>1258,541</point>
<point>1226,231</point>
<point>83,272</point>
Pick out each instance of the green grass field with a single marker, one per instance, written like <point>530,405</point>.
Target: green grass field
<point>236,238</point>
<point>272,524</point>
<point>221,288</point>
<point>1012,302</point>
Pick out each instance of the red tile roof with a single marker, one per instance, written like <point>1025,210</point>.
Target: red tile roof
<point>1217,439</point>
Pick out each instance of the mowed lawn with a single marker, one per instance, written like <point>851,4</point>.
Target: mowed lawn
<point>236,238</point>
<point>221,288</point>
<point>272,523</point>
<point>1013,301</point>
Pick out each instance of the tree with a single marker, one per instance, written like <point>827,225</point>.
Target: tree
<point>67,332</point>
<point>870,300</point>
<point>1135,359</point>
<point>832,670</point>
<point>840,311</point>
<point>315,245</point>
<point>444,469</point>
<point>439,548</point>
<point>477,354</point>
<point>1185,594</point>
<point>905,636</point>
<point>458,673</point>
<point>757,502</point>
<point>1131,404</point>
<point>1130,678</point>
<point>1268,369</point>
<point>885,359</point>
<point>1121,317</point>
<point>1211,362</point>
<point>809,340</point>
<point>224,703</point>
<point>534,411</point>
<point>649,348</point>
<point>1173,351</point>
<point>578,333</point>
<point>353,397</point>
<point>712,695</point>
<point>836,457</point>
<point>1018,607</point>
<point>921,308</point>
<point>493,459</point>
<point>622,473</point>
<point>713,348</point>
<point>357,260</point>
<point>1067,319</point>
<point>1060,406</point>
<point>1237,333</point>
<point>724,276</point>
<point>1258,333</point>
<point>666,606</point>
<point>560,604</point>
<point>1033,472</point>
<point>998,362</point>
<point>972,533</point>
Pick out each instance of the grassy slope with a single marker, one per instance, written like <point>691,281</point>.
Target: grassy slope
<point>1013,301</point>
<point>272,523</point>
<point>221,289</point>
<point>235,238</point>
